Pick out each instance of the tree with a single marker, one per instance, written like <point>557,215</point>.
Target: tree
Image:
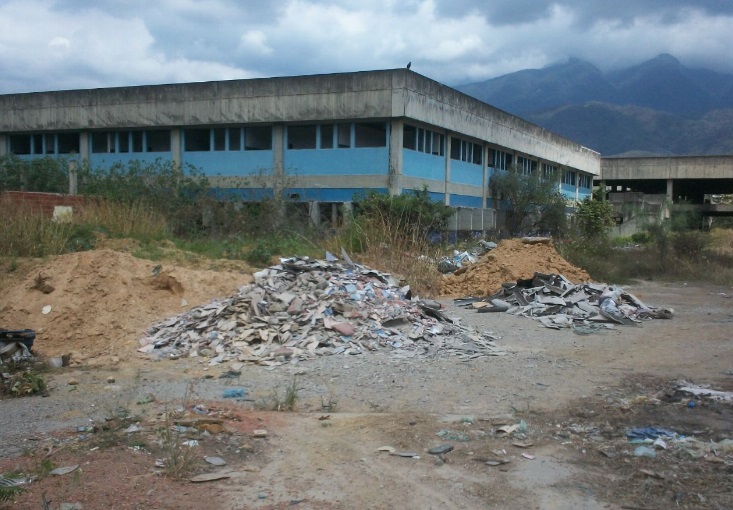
<point>534,204</point>
<point>594,217</point>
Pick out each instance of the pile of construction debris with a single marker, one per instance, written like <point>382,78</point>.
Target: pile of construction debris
<point>303,308</point>
<point>16,345</point>
<point>557,303</point>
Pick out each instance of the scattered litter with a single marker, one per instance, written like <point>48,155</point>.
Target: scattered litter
<point>644,451</point>
<point>528,456</point>
<point>649,433</point>
<point>209,477</point>
<point>439,450</point>
<point>389,449</point>
<point>302,308</point>
<point>215,461</point>
<point>259,433</point>
<point>411,455</point>
<point>651,474</point>
<point>234,393</point>
<point>46,310</point>
<point>523,444</point>
<point>706,392</point>
<point>63,470</point>
<point>557,303</point>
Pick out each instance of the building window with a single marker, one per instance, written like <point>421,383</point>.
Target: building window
<point>197,140</point>
<point>327,136</point>
<point>438,144</point>
<point>548,171</point>
<point>585,181</point>
<point>409,137</point>
<point>423,140</point>
<point>158,140</point>
<point>502,160</point>
<point>258,138</point>
<point>463,150</point>
<point>220,139</point>
<point>568,177</point>
<point>526,165</point>
<point>234,135</point>
<point>370,134</point>
<point>344,136</point>
<point>302,137</point>
<point>20,144</point>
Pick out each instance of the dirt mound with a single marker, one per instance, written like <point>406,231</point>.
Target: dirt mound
<point>101,301</point>
<point>511,260</point>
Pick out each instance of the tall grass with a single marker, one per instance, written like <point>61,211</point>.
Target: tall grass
<point>136,219</point>
<point>394,234</point>
<point>681,255</point>
<point>27,232</point>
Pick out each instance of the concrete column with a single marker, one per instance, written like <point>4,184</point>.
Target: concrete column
<point>334,215</point>
<point>485,180</point>
<point>670,190</point>
<point>447,168</point>
<point>394,179</point>
<point>278,157</point>
<point>348,211</point>
<point>176,146</point>
<point>84,145</point>
<point>73,164</point>
<point>577,184</point>
<point>3,145</point>
<point>314,211</point>
<point>278,171</point>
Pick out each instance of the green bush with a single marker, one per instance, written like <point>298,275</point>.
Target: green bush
<point>406,219</point>
<point>47,174</point>
<point>534,204</point>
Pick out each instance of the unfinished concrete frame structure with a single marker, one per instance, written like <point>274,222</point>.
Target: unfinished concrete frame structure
<point>316,139</point>
<point>702,184</point>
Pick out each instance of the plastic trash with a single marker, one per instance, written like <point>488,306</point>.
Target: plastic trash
<point>234,393</point>
<point>644,451</point>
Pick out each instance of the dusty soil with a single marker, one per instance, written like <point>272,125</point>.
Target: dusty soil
<point>577,395</point>
<point>512,260</point>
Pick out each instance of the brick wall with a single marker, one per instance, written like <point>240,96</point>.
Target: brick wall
<point>43,202</point>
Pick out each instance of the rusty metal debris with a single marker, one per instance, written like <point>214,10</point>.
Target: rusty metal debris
<point>557,303</point>
<point>302,308</point>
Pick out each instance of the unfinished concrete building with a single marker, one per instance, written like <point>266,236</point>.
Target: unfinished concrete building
<point>318,139</point>
<point>651,188</point>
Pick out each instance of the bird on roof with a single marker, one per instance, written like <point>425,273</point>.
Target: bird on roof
<point>409,64</point>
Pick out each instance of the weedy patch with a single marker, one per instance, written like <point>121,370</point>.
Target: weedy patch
<point>281,402</point>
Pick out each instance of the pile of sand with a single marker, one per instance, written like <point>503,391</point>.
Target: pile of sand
<point>511,260</point>
<point>101,301</point>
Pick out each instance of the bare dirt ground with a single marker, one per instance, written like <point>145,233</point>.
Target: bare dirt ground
<point>576,395</point>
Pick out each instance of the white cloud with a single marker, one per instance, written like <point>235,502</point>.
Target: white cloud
<point>52,44</point>
<point>255,40</point>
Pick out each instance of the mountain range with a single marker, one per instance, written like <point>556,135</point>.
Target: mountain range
<point>657,108</point>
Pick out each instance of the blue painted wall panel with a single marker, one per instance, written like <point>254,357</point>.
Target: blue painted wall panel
<point>329,194</point>
<point>465,201</point>
<point>232,163</point>
<point>422,165</point>
<point>462,172</point>
<point>357,161</point>
<point>107,160</point>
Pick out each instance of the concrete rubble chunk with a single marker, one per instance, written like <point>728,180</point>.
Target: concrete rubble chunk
<point>556,303</point>
<point>302,308</point>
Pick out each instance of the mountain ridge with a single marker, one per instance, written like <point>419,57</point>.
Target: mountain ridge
<point>658,107</point>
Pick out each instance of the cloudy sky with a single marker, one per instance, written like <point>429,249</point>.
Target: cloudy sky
<point>67,44</point>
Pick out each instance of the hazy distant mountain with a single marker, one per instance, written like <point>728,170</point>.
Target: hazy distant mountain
<point>658,107</point>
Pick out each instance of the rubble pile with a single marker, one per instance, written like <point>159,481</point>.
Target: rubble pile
<point>557,303</point>
<point>511,260</point>
<point>303,308</point>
